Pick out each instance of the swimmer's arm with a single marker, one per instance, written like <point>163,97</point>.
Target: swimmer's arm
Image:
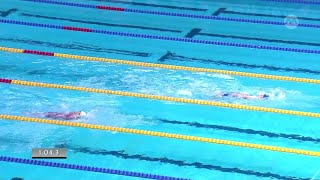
<point>256,97</point>
<point>251,97</point>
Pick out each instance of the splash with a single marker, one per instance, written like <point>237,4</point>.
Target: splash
<point>277,94</point>
<point>90,116</point>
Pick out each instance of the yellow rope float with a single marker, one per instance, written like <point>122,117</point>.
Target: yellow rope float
<point>161,134</point>
<point>167,98</point>
<point>171,67</point>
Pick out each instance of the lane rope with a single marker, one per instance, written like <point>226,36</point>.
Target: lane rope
<point>166,38</point>
<point>296,1</point>
<point>86,168</point>
<point>195,16</point>
<point>162,66</point>
<point>162,98</point>
<point>162,134</point>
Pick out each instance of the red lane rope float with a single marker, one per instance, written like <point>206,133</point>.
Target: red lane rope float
<point>77,29</point>
<point>38,53</point>
<point>9,81</point>
<point>87,168</point>
<point>110,8</point>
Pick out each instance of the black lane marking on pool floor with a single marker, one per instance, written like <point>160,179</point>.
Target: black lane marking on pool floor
<point>170,56</point>
<point>77,46</point>
<point>100,23</point>
<point>219,11</point>
<point>152,5</point>
<point>165,56</point>
<point>8,12</point>
<point>122,154</point>
<point>265,15</point>
<point>197,32</point>
<point>44,72</point>
<point>193,32</point>
<point>243,131</point>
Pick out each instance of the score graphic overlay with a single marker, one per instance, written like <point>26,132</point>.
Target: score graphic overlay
<point>51,153</point>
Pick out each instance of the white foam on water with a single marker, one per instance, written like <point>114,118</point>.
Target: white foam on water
<point>184,92</point>
<point>96,82</point>
<point>113,117</point>
<point>221,76</point>
<point>277,94</point>
<point>144,70</point>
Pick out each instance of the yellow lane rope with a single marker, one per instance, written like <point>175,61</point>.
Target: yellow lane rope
<point>165,66</point>
<point>167,98</point>
<point>162,134</point>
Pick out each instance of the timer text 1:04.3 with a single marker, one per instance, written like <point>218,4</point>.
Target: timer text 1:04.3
<point>49,153</point>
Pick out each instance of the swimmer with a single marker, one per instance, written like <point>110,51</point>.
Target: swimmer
<point>243,95</point>
<point>63,116</point>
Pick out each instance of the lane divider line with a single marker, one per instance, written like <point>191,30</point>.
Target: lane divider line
<point>162,98</point>
<point>162,134</point>
<point>296,1</point>
<point>163,66</point>
<point>161,13</point>
<point>86,168</point>
<point>166,38</point>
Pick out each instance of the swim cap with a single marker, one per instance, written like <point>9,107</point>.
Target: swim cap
<point>82,113</point>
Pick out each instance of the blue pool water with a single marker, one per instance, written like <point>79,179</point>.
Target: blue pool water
<point>155,155</point>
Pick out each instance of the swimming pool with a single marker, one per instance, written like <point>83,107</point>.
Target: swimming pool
<point>241,37</point>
